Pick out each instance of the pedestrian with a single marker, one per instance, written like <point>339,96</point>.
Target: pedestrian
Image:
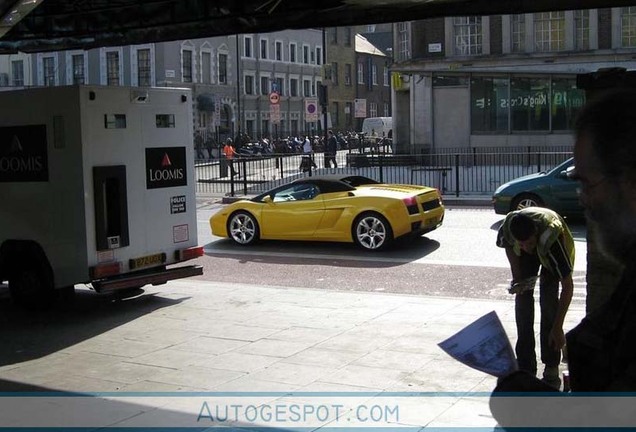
<point>198,145</point>
<point>330,150</point>
<point>307,160</point>
<point>538,238</point>
<point>229,152</point>
<point>601,351</point>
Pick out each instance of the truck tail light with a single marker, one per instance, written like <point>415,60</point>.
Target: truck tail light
<point>190,253</point>
<point>108,269</point>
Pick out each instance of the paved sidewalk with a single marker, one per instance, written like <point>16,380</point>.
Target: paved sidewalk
<point>200,336</point>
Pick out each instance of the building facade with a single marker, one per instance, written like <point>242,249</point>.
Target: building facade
<point>372,80</point>
<point>504,81</point>
<point>231,77</point>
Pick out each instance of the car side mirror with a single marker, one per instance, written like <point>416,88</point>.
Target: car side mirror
<point>566,174</point>
<point>267,199</point>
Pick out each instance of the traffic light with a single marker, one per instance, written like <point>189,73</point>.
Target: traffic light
<point>322,95</point>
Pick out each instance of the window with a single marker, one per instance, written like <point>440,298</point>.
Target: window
<point>582,29</point>
<point>264,49</point>
<point>467,35</point>
<point>318,56</point>
<point>279,51</point>
<point>143,68</point>
<point>334,73</point>
<point>628,26</point>
<point>187,65</point>
<point>112,68</point>
<point>305,54</point>
<point>265,127</point>
<point>306,88</point>
<point>518,30</point>
<point>292,52</point>
<point>247,46</point>
<point>164,120</point>
<point>347,36</point>
<point>17,73</point>
<point>264,85</point>
<point>222,68</point>
<point>387,111</point>
<point>403,41</point>
<point>374,74</point>
<point>249,85</point>
<point>385,76</point>
<point>529,104</point>
<point>373,109</point>
<point>347,76</point>
<point>360,73</point>
<point>48,65</point>
<point>348,114</point>
<point>335,111</point>
<point>279,86</point>
<point>293,87</point>
<point>489,104</point>
<point>312,54</point>
<point>333,35</point>
<point>206,67</point>
<point>567,100</point>
<point>549,31</point>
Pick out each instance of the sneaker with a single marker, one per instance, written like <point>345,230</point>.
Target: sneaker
<point>551,377</point>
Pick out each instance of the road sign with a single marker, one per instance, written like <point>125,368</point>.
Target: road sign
<point>274,113</point>
<point>274,98</point>
<point>311,110</point>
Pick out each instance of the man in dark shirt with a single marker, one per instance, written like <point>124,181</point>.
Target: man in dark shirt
<point>330,150</point>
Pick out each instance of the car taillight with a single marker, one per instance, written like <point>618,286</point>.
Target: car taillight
<point>190,253</point>
<point>411,205</point>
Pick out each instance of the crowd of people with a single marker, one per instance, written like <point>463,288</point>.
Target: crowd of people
<point>207,147</point>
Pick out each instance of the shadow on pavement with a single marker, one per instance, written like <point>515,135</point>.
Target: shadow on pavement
<point>28,335</point>
<point>403,250</point>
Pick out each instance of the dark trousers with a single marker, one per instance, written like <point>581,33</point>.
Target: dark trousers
<point>328,159</point>
<point>524,315</point>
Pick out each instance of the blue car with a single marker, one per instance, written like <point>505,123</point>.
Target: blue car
<point>552,189</point>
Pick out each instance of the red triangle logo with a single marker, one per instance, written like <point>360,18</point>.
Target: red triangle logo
<point>166,160</point>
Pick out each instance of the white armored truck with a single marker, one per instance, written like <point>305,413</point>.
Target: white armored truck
<point>96,187</point>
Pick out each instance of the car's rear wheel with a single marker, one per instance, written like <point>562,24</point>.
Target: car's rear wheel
<point>526,200</point>
<point>371,231</point>
<point>242,227</point>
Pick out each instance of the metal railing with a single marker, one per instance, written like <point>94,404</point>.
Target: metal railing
<point>468,173</point>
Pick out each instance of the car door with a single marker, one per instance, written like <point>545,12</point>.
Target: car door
<point>564,192</point>
<point>294,212</point>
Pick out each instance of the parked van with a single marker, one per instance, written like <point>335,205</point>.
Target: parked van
<point>383,127</point>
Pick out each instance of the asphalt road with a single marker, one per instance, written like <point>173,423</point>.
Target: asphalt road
<point>459,259</point>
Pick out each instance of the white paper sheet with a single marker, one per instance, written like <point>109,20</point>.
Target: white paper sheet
<point>483,345</point>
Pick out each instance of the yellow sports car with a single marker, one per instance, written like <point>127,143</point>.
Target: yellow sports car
<point>338,208</point>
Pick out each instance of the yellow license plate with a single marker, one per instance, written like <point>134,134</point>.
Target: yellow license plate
<point>147,261</point>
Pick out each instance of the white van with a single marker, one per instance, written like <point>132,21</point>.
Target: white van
<point>382,126</point>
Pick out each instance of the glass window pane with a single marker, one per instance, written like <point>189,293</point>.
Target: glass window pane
<point>529,104</point>
<point>489,104</point>
<point>567,101</point>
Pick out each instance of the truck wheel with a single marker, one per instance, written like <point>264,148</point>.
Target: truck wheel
<point>31,287</point>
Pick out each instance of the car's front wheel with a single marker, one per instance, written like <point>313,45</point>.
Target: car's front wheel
<point>526,200</point>
<point>242,227</point>
<point>371,231</point>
